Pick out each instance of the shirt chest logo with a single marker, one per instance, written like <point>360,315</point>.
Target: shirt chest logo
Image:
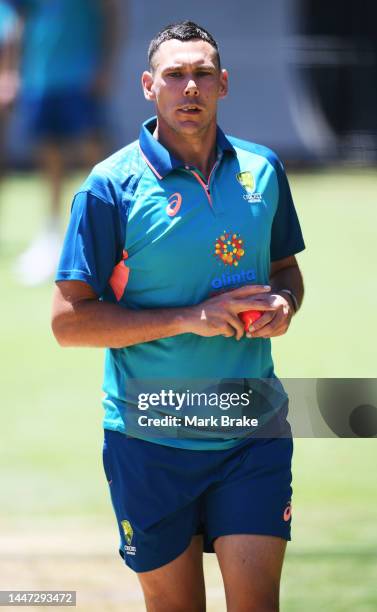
<point>229,248</point>
<point>174,204</point>
<point>247,182</point>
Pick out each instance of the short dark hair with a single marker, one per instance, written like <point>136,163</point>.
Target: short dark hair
<point>184,31</point>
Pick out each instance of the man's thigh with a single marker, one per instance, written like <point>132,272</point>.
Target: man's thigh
<point>254,496</point>
<point>177,586</point>
<point>251,568</point>
<point>155,499</point>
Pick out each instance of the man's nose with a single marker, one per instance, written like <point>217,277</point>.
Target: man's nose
<point>191,88</point>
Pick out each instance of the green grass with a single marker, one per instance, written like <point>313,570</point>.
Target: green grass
<point>51,410</point>
<point>338,214</point>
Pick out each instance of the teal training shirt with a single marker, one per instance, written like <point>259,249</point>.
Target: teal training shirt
<point>148,232</point>
<point>62,44</point>
<point>8,22</point>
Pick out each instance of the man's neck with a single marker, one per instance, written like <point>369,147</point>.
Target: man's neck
<point>198,150</point>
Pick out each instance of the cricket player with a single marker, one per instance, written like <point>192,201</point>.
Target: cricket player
<point>170,239</point>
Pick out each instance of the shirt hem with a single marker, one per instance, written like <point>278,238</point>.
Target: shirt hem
<point>172,442</point>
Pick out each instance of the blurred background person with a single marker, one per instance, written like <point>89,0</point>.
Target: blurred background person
<point>8,70</point>
<point>66,59</point>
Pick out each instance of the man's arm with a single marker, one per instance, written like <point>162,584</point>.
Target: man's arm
<point>79,318</point>
<point>110,45</point>
<point>9,64</point>
<point>284,275</point>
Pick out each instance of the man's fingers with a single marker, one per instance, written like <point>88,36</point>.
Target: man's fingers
<point>269,331</point>
<point>248,290</point>
<point>233,327</point>
<point>253,303</point>
<point>260,302</point>
<point>275,327</point>
<point>265,319</point>
<point>229,331</point>
<point>237,325</point>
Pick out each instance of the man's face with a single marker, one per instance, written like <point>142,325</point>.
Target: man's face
<point>185,85</point>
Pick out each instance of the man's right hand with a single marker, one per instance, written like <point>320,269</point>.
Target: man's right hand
<point>219,314</point>
<point>79,318</point>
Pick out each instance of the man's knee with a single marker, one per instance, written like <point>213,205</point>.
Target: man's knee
<point>156,602</point>
<point>261,603</point>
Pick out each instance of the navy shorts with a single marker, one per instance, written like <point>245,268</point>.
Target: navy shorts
<point>163,496</point>
<point>64,115</point>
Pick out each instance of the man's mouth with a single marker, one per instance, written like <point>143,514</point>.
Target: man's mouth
<point>190,109</point>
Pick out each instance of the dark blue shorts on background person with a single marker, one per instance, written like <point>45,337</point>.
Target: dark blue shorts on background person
<point>64,115</point>
<point>163,496</point>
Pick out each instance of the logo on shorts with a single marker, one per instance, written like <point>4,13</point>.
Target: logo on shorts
<point>174,205</point>
<point>128,534</point>
<point>229,248</point>
<point>246,180</point>
<point>287,512</point>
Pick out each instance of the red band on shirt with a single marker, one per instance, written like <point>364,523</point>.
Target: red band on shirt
<point>119,278</point>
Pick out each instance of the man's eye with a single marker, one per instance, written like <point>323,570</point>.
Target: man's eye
<point>174,74</point>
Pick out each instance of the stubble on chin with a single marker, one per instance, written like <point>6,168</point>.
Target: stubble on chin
<point>192,128</point>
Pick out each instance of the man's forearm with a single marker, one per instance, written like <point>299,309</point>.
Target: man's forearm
<point>80,319</point>
<point>100,324</point>
<point>289,278</point>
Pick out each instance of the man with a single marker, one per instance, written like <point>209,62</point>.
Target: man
<point>156,231</point>
<point>66,64</point>
<point>8,74</point>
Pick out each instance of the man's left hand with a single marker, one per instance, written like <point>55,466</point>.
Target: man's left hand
<point>272,322</point>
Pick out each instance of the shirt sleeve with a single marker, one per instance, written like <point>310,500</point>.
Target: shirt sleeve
<point>93,242</point>
<point>286,235</point>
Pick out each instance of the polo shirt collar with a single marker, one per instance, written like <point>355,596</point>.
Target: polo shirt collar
<point>158,158</point>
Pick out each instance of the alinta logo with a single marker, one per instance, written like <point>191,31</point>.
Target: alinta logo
<point>229,248</point>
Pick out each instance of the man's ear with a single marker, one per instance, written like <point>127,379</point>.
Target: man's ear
<point>147,85</point>
<point>224,83</point>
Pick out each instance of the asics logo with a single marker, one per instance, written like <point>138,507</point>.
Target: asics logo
<point>287,512</point>
<point>174,205</point>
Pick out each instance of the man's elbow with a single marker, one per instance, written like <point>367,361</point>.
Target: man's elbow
<point>63,330</point>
